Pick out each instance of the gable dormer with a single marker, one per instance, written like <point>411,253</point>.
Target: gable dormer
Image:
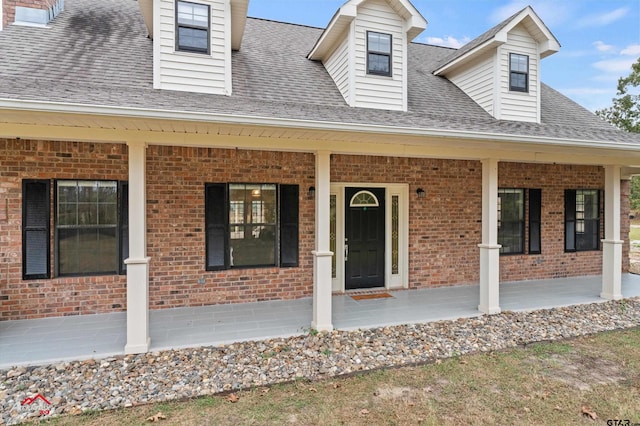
<point>364,49</point>
<point>500,70</point>
<point>192,42</point>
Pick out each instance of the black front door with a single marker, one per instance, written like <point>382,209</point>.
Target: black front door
<point>364,238</point>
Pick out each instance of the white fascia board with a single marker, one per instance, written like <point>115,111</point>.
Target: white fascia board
<point>146,9</point>
<point>340,21</point>
<point>492,43</point>
<point>299,124</point>
<point>238,22</point>
<point>549,44</point>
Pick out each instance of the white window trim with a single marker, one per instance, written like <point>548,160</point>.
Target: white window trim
<point>391,281</point>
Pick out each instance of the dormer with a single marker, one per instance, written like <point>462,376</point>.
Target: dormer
<point>192,42</point>
<point>500,70</point>
<point>364,49</point>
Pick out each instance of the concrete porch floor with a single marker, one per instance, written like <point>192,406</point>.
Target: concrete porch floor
<point>42,341</point>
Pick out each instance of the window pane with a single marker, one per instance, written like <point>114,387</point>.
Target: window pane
<point>87,223</point>
<point>519,63</point>
<point>108,192</point>
<point>379,64</point>
<point>192,38</point>
<point>395,234</point>
<point>511,220</point>
<point>379,42</point>
<point>87,214</point>
<point>193,14</point>
<point>67,214</point>
<point>332,233</point>
<point>518,81</point>
<point>255,246</point>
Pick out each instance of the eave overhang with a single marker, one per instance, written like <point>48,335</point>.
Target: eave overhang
<point>415,23</point>
<point>547,42</point>
<point>94,123</point>
<point>238,19</point>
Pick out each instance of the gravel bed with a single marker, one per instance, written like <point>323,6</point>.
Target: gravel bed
<point>129,380</point>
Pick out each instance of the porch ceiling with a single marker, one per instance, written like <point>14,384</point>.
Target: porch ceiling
<point>295,135</point>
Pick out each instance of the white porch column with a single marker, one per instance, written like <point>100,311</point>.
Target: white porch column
<point>322,255</point>
<point>489,249</point>
<point>138,339</point>
<point>612,244</point>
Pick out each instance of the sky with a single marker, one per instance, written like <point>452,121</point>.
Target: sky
<point>600,39</point>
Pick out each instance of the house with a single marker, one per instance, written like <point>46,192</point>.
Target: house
<point>168,153</point>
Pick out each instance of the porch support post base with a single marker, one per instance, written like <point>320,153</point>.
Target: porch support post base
<point>138,340</point>
<point>489,279</point>
<point>611,269</point>
<point>321,320</point>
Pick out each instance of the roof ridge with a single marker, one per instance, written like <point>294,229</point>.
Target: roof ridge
<point>284,23</point>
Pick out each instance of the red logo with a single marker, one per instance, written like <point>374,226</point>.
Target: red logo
<point>29,401</point>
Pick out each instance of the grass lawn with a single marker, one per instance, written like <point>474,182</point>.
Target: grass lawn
<point>558,383</point>
<point>634,234</point>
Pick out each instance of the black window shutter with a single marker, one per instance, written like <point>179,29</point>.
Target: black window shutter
<point>289,209</point>
<point>36,204</point>
<point>535,215</point>
<point>216,220</point>
<point>124,225</point>
<point>570,220</point>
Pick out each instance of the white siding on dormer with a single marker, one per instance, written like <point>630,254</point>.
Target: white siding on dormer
<point>194,72</point>
<point>477,81</point>
<point>519,106</point>
<point>337,66</point>
<point>374,91</point>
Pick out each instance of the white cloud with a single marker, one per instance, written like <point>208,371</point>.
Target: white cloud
<point>632,50</point>
<point>603,47</point>
<point>617,66</point>
<point>448,41</point>
<point>602,19</point>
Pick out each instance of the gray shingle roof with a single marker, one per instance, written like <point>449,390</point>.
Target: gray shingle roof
<point>97,53</point>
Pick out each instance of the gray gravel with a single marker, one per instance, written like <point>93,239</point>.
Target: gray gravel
<point>128,380</point>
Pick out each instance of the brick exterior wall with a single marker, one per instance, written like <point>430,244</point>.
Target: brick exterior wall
<point>24,159</point>
<point>176,241</point>
<point>444,227</point>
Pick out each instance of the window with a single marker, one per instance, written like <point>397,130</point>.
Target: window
<point>511,220</point>
<point>192,27</point>
<point>251,225</point>
<point>90,223</point>
<point>582,219</point>
<point>519,72</point>
<point>378,53</point>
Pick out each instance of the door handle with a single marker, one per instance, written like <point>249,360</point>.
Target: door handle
<point>346,252</point>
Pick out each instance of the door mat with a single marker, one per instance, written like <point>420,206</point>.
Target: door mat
<point>370,296</point>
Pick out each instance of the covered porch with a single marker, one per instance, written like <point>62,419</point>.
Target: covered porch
<point>49,340</point>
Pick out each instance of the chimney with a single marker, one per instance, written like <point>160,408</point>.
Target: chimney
<point>29,12</point>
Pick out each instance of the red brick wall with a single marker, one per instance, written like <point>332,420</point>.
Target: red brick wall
<point>445,226</point>
<point>553,180</point>
<point>24,159</point>
<point>176,243</point>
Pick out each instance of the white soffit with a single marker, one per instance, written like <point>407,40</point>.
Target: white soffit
<point>533,24</point>
<point>238,19</point>
<point>415,24</point>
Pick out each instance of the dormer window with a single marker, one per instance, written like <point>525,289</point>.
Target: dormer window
<point>519,73</point>
<point>192,27</point>
<point>378,53</point>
